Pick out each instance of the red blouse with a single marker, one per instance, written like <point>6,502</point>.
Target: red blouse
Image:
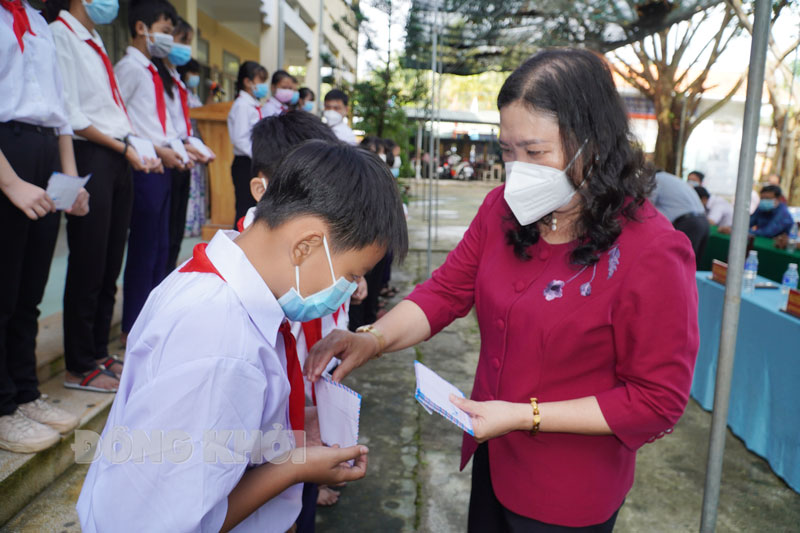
<point>624,331</point>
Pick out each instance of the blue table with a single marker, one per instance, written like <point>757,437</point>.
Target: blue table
<point>765,391</point>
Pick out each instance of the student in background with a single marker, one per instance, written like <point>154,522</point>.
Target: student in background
<point>196,208</point>
<point>96,241</point>
<point>307,99</point>
<point>336,110</point>
<point>251,84</point>
<point>772,218</point>
<point>284,94</point>
<point>213,352</point>
<point>35,140</point>
<point>178,109</point>
<point>150,23</point>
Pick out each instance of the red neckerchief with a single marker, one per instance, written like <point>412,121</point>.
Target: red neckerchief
<point>21,22</point>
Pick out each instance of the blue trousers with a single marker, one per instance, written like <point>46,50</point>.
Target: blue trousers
<point>148,242</point>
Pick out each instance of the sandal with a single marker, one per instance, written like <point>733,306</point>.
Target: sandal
<point>109,362</point>
<point>86,382</point>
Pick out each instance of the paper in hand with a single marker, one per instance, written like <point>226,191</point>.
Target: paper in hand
<point>433,392</point>
<point>338,410</point>
<point>198,145</point>
<point>143,147</point>
<point>177,145</point>
<point>64,189</point>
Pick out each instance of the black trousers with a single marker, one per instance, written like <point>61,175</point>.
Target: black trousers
<point>27,250</point>
<point>96,247</point>
<point>308,513</point>
<point>367,311</point>
<point>486,513</point>
<point>177,214</point>
<point>242,174</point>
<point>697,228</point>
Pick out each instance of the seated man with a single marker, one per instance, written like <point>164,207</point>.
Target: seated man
<point>772,217</point>
<point>718,209</point>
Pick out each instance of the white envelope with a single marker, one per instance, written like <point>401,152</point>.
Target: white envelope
<point>143,147</point>
<point>177,145</point>
<point>63,189</point>
<point>200,147</point>
<point>339,410</point>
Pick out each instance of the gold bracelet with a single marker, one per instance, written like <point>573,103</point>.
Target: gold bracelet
<point>375,332</point>
<point>537,418</point>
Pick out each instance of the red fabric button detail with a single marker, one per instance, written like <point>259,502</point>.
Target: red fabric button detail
<point>519,286</point>
<point>500,324</point>
<point>496,363</point>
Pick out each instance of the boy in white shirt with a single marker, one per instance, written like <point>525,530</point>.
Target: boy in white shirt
<point>150,23</point>
<point>212,356</point>
<point>335,114</point>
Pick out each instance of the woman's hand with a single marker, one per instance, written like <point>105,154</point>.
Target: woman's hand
<point>81,205</point>
<point>30,199</point>
<point>329,466</point>
<point>495,418</point>
<point>354,349</point>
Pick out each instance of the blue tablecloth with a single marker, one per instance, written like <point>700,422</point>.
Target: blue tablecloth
<point>765,391</point>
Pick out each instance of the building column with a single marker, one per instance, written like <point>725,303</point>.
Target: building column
<point>313,64</point>
<point>269,41</point>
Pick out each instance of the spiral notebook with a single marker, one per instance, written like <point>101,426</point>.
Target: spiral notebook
<point>339,411</point>
<point>433,393</point>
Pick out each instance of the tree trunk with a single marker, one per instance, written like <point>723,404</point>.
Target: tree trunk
<point>668,116</point>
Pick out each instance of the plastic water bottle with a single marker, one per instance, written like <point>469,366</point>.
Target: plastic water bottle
<point>792,246</point>
<point>750,271</point>
<point>789,279</point>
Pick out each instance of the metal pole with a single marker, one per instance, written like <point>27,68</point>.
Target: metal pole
<point>320,40</point>
<point>738,247</point>
<point>418,164</point>
<point>438,149</point>
<point>433,165</point>
<point>281,35</point>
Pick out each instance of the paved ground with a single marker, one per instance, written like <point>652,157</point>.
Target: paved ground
<point>413,482</point>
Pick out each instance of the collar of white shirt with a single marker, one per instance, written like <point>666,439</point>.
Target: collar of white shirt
<point>249,286</point>
<point>80,30</point>
<point>248,98</point>
<point>137,54</point>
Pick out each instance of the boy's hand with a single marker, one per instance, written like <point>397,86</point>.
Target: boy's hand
<point>195,154</point>
<point>328,466</point>
<point>135,160</point>
<point>81,205</point>
<point>30,199</point>
<point>170,158</point>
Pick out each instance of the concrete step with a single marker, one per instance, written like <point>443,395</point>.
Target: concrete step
<point>23,476</point>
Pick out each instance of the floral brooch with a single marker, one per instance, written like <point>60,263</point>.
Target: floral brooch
<point>555,289</point>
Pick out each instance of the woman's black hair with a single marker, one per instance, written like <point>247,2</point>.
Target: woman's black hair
<point>576,88</point>
<point>249,70</point>
<point>280,75</point>
<point>349,188</point>
<point>182,27</point>
<point>51,8</point>
<point>372,143</point>
<point>192,66</point>
<point>388,149</point>
<point>305,92</point>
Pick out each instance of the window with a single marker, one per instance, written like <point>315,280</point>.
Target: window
<point>230,71</point>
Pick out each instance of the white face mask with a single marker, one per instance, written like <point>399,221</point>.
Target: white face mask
<point>397,162</point>
<point>161,44</point>
<point>533,191</point>
<point>383,157</point>
<point>332,117</point>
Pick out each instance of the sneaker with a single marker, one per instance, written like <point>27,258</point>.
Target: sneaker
<point>50,415</point>
<point>20,434</point>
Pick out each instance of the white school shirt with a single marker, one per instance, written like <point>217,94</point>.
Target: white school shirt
<point>174,107</point>
<point>274,107</point>
<point>720,211</point>
<point>344,133</point>
<point>138,90</point>
<point>31,88</point>
<point>244,113</point>
<point>204,354</point>
<point>87,89</point>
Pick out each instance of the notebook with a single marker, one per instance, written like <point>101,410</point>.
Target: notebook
<point>433,393</point>
<point>339,410</point>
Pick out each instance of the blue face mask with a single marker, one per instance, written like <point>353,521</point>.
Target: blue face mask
<point>193,81</point>
<point>101,11</point>
<point>766,205</point>
<point>396,172</point>
<point>308,106</point>
<point>180,54</point>
<point>260,91</point>
<point>319,304</point>
<point>295,98</point>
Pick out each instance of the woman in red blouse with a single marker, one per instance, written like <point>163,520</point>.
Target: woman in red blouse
<point>590,307</point>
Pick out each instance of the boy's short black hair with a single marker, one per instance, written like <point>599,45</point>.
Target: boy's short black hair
<point>699,175</point>
<point>702,192</point>
<point>349,188</point>
<point>774,189</point>
<point>149,12</point>
<point>337,94</point>
<point>273,137</point>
